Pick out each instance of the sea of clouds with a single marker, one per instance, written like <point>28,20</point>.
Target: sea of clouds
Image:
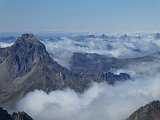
<point>101,101</point>
<point>112,46</point>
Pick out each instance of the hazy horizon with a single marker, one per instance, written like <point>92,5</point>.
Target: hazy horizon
<point>79,16</point>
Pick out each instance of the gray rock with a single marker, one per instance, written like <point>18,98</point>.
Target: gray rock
<point>157,36</point>
<point>4,115</point>
<point>112,78</point>
<point>150,111</point>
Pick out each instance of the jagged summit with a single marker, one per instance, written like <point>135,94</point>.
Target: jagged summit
<point>27,35</point>
<point>28,38</point>
<point>157,36</point>
<point>28,42</point>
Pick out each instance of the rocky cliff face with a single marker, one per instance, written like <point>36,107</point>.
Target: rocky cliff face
<point>26,66</point>
<point>150,111</point>
<point>112,78</point>
<point>157,36</point>
<point>15,116</point>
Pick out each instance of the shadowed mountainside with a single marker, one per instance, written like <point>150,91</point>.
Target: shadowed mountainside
<point>15,116</point>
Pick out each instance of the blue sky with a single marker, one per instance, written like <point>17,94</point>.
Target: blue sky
<point>80,15</point>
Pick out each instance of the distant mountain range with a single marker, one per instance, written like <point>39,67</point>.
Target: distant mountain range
<point>94,63</point>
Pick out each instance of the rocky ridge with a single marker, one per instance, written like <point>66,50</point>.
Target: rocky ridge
<point>150,111</point>
<point>4,115</point>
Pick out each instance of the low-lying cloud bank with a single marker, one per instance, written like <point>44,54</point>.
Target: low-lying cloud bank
<point>100,102</point>
<point>5,44</point>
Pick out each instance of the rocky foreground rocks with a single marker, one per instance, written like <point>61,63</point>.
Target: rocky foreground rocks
<point>4,115</point>
<point>150,111</point>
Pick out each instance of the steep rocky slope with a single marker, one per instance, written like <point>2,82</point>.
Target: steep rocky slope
<point>150,111</point>
<point>26,66</point>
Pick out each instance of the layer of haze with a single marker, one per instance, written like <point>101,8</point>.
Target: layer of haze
<point>80,15</point>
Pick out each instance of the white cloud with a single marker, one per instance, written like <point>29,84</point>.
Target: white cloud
<point>101,101</point>
<point>5,44</point>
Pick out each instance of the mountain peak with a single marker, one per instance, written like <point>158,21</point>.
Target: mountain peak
<point>28,42</point>
<point>28,38</point>
<point>27,35</point>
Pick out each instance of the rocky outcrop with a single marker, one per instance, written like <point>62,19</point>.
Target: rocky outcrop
<point>15,116</point>
<point>124,37</point>
<point>112,78</point>
<point>150,111</point>
<point>157,36</point>
<point>4,115</point>
<point>21,116</point>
